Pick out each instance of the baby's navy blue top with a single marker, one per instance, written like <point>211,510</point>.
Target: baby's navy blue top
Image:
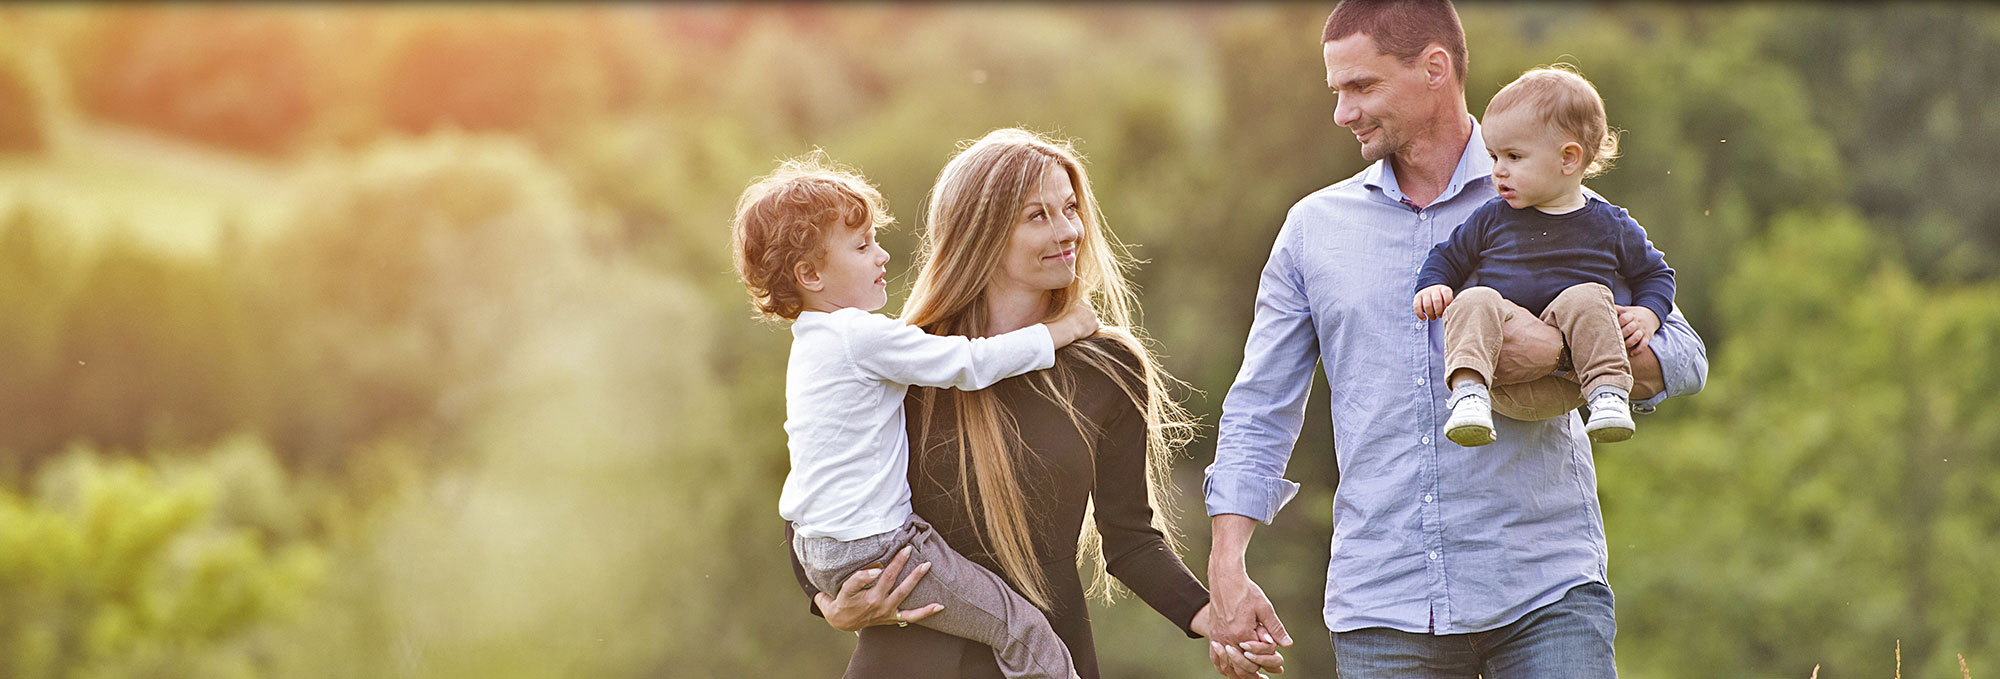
<point>1530,256</point>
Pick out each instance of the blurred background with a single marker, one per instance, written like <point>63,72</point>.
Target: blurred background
<point>373,341</point>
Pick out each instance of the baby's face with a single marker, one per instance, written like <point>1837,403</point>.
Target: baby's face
<point>1528,168</point>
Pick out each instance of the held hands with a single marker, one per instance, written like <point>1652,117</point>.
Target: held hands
<point>1077,321</point>
<point>1248,660</point>
<point>1638,324</point>
<point>860,605</point>
<point>1243,629</point>
<point>1431,301</point>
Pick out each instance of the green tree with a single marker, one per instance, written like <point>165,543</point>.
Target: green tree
<point>113,568</point>
<point>23,109</point>
<point>1911,97</point>
<point>34,281</point>
<point>395,292</point>
<point>1833,489</point>
<point>153,350</point>
<point>233,77</point>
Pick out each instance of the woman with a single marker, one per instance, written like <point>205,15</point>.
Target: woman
<point>1008,475</point>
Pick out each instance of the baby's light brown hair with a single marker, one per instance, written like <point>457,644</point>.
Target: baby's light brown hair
<point>783,218</point>
<point>1570,105</point>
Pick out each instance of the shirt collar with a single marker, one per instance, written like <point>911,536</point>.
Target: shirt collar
<point>1473,165</point>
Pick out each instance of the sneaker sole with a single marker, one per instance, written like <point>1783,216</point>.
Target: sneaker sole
<point>1470,435</point>
<point>1611,434</point>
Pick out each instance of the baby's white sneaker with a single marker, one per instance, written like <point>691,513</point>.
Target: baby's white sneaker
<point>1610,416</point>
<point>1471,422</point>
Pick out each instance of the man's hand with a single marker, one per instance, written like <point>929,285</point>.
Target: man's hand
<point>1240,616</point>
<point>1529,348</point>
<point>1241,609</point>
<point>1430,302</point>
<point>1638,324</point>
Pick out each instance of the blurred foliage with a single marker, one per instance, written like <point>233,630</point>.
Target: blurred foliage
<point>1914,116</point>
<point>21,107</point>
<point>1849,489</point>
<point>407,277</point>
<point>465,386</point>
<point>113,569</point>
<point>228,76</point>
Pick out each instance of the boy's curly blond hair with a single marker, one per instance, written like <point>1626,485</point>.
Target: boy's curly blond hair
<point>783,218</point>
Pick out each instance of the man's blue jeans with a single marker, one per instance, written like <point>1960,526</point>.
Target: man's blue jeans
<point>1569,639</point>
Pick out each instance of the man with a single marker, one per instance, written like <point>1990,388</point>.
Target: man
<point>1446,561</point>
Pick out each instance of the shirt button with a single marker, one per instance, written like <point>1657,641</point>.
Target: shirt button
<point>1420,381</point>
<point>1427,440</point>
<point>1434,556</point>
<point>1427,497</point>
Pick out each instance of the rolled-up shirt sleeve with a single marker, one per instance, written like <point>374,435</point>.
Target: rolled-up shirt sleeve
<point>1683,360</point>
<point>1265,408</point>
<point>1683,356</point>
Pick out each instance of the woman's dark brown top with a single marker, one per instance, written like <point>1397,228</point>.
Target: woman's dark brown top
<point>1058,477</point>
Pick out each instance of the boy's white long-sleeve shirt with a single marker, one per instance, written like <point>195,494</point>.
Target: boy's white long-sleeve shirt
<point>844,388</point>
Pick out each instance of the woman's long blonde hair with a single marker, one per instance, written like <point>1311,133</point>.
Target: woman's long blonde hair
<point>967,227</point>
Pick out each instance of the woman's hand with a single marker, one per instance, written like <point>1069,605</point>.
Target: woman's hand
<point>862,605</point>
<point>1238,661</point>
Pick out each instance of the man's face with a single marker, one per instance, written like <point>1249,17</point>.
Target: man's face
<point>1379,98</point>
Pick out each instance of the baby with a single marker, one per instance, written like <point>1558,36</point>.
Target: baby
<point>1544,247</point>
<point>804,240</point>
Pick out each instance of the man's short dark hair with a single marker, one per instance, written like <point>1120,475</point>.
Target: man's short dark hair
<point>1401,28</point>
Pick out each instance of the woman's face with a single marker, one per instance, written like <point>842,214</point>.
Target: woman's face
<point>1041,252</point>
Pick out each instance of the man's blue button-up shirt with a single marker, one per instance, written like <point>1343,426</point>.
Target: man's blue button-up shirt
<point>1428,536</point>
